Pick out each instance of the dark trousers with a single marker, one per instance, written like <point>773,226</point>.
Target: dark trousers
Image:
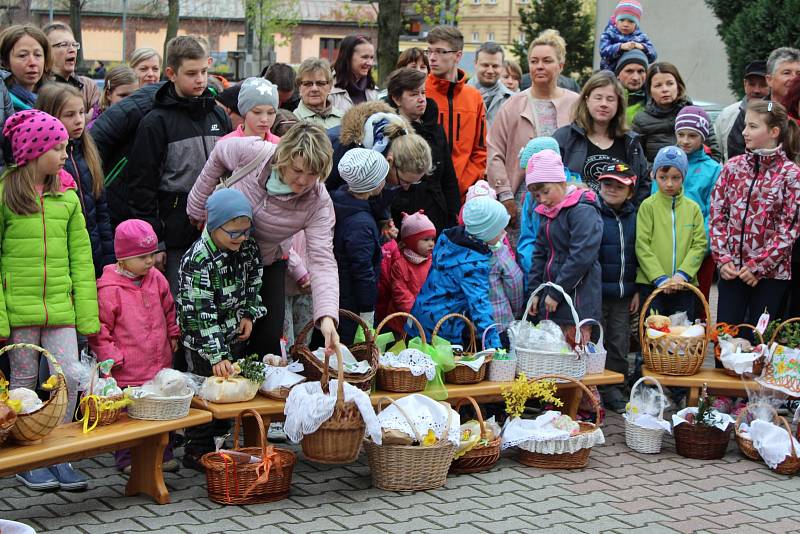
<point>667,304</point>
<point>267,332</point>
<point>174,256</point>
<point>617,330</point>
<point>705,277</point>
<point>200,439</point>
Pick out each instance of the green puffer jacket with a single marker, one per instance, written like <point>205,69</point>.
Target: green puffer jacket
<point>46,265</point>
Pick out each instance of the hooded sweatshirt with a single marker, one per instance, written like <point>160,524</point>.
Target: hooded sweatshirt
<point>137,322</point>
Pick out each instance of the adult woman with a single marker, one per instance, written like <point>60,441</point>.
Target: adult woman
<point>26,59</point>
<point>146,63</point>
<point>314,80</point>
<point>65,58</point>
<point>534,112</point>
<point>437,194</point>
<point>598,137</point>
<point>353,69</point>
<point>512,75</point>
<point>414,58</point>
<point>287,196</point>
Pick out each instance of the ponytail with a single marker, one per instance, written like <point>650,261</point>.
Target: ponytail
<point>775,115</point>
<point>791,141</point>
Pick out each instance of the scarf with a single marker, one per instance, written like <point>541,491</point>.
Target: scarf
<point>135,278</point>
<point>493,97</point>
<point>26,97</point>
<point>276,186</point>
<point>413,257</point>
<point>358,90</point>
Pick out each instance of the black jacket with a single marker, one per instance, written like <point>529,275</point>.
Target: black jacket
<point>171,147</point>
<point>574,147</point>
<point>618,250</point>
<point>113,133</point>
<point>656,126</point>
<point>736,138</point>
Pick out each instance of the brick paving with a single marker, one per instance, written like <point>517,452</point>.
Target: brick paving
<point>620,491</point>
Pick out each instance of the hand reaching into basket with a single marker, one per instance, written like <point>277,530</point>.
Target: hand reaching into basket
<point>550,305</point>
<point>534,306</point>
<point>224,369</point>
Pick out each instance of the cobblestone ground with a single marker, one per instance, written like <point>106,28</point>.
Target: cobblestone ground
<point>620,491</point>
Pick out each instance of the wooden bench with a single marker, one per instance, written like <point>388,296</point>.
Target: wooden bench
<point>66,443</point>
<point>484,391</point>
<point>716,379</point>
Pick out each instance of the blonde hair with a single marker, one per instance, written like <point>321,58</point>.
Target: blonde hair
<point>19,189</point>
<point>143,54</point>
<point>52,99</point>
<point>309,142</point>
<point>313,65</point>
<point>119,75</point>
<point>551,38</point>
<point>513,69</point>
<point>410,153</point>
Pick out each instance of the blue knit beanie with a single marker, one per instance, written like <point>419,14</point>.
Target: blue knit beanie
<point>225,205</point>
<point>535,146</point>
<point>485,218</point>
<point>671,156</point>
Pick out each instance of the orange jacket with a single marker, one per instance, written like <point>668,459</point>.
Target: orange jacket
<point>463,117</point>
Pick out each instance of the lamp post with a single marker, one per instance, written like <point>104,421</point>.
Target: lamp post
<point>124,28</point>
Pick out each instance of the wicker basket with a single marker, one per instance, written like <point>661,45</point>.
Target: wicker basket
<point>479,458</point>
<point>499,370</point>
<point>230,482</point>
<point>337,440</point>
<point>312,366</point>
<point>645,440</point>
<point>746,446</point>
<point>5,429</point>
<point>31,427</point>
<point>463,374</point>
<point>661,354</point>
<point>161,408</point>
<point>595,361</point>
<point>541,362</point>
<point>101,411</point>
<point>758,364</point>
<point>575,460</point>
<point>791,465</point>
<point>397,379</point>
<point>410,467</point>
<point>701,442</point>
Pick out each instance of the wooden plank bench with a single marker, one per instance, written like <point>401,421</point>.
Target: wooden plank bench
<point>485,391</point>
<point>66,443</point>
<point>716,379</point>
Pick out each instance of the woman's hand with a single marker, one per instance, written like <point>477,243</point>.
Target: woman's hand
<point>728,271</point>
<point>747,276</point>
<point>550,304</point>
<point>328,328</point>
<point>223,369</point>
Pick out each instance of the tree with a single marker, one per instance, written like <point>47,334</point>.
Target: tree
<point>173,17</point>
<point>270,17</point>
<point>751,29</point>
<point>390,23</point>
<point>571,20</point>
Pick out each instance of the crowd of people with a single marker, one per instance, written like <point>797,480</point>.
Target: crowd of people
<point>175,219</point>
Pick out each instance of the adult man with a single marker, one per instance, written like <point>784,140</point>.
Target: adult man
<point>783,66</point>
<point>755,88</point>
<point>632,73</point>
<point>315,80</point>
<point>283,76</point>
<point>488,70</point>
<point>461,110</point>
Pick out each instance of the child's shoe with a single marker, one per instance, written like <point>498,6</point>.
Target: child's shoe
<point>68,478</point>
<point>276,432</point>
<point>39,479</point>
<point>170,466</point>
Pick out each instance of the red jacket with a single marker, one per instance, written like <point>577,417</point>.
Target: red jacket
<point>400,283</point>
<point>754,211</point>
<point>462,114</point>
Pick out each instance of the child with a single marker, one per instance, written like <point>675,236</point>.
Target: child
<point>757,197</point>
<point>83,164</point>
<point>670,236</point>
<point>172,144</point>
<point>258,102</point>
<point>218,301</point>
<point>46,263</point>
<point>356,239</point>
<point>692,128</point>
<point>410,265</point>
<point>567,245</point>
<point>624,33</point>
<point>137,317</point>
<point>618,266</point>
<point>459,277</point>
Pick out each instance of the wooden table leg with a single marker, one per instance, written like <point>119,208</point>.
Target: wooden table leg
<point>146,474</point>
<point>572,400</point>
<point>250,427</point>
<point>693,396</point>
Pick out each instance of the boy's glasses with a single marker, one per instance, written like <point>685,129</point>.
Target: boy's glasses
<point>236,234</point>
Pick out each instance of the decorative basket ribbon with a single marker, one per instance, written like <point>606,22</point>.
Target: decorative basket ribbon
<point>270,459</point>
<point>101,404</point>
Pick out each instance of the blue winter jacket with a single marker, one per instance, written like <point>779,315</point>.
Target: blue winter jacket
<point>458,282</point>
<point>611,42</point>
<point>618,250</point>
<point>95,209</point>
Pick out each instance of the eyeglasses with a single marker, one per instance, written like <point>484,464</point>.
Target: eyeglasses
<point>438,52</point>
<point>238,233</point>
<point>316,83</point>
<point>67,44</point>
<point>407,182</point>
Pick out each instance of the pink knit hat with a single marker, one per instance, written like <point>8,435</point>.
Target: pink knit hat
<point>133,238</point>
<point>415,227</point>
<point>32,133</point>
<point>481,188</point>
<point>545,167</point>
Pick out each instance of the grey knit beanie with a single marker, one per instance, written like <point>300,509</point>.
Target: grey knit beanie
<point>256,92</point>
<point>363,170</point>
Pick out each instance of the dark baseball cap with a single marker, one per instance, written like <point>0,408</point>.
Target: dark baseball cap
<point>620,172</point>
<point>230,98</point>
<point>756,68</point>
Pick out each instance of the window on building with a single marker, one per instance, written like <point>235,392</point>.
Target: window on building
<point>492,1</point>
<point>329,48</point>
<point>476,37</point>
<point>490,36</point>
<point>476,2</point>
<point>522,1</point>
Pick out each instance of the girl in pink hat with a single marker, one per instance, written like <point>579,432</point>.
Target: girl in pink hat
<point>48,290</point>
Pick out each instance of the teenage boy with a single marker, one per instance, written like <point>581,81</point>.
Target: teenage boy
<point>172,144</point>
<point>461,110</point>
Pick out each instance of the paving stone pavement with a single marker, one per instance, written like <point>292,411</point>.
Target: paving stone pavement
<point>620,491</point>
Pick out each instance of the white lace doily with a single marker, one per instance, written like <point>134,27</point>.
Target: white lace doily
<point>565,446</point>
<point>475,364</point>
<point>414,360</point>
<point>425,413</point>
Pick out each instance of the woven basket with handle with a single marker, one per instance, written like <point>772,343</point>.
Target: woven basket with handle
<point>31,427</point>
<point>6,426</point>
<point>595,361</point>
<point>575,460</point>
<point>232,480</point>
<point>673,354</point>
<point>400,379</point>
<point>480,457</point>
<point>313,367</point>
<point>746,445</point>
<point>337,440</point>
<point>410,467</point>
<point>645,440</point>
<point>100,410</point>
<point>463,374</point>
<point>758,364</point>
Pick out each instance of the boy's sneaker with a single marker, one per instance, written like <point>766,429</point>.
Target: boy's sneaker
<point>68,478</point>
<point>276,432</point>
<point>170,466</point>
<point>39,479</point>
<point>192,461</point>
